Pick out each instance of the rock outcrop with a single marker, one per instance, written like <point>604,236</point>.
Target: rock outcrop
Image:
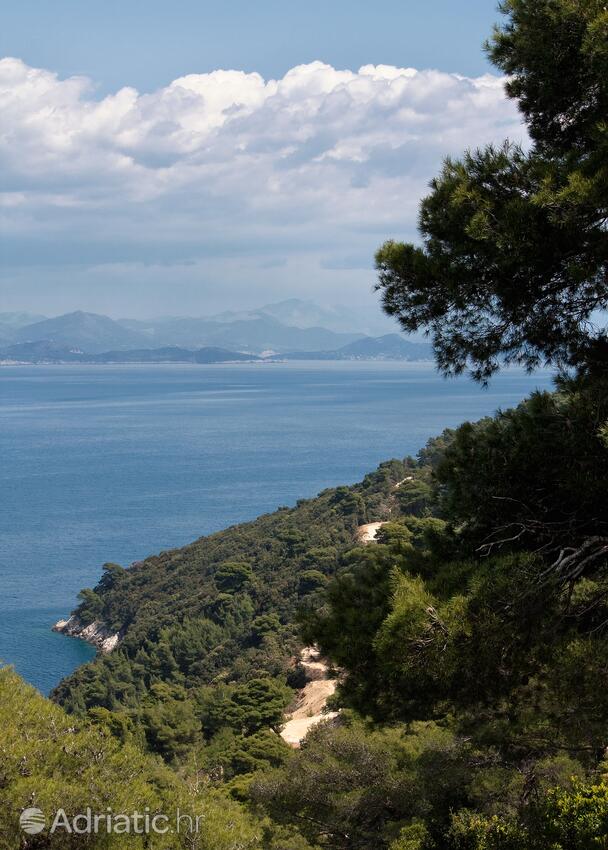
<point>96,633</point>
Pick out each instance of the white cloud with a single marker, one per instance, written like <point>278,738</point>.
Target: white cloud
<point>321,163</point>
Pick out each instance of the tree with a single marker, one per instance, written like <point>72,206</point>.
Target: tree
<point>310,581</point>
<point>246,708</point>
<point>533,476</point>
<point>233,576</point>
<point>574,818</point>
<point>354,789</point>
<point>564,110</point>
<point>91,605</point>
<point>514,262</point>
<point>170,722</point>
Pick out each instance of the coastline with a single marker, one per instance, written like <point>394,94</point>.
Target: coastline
<point>96,633</point>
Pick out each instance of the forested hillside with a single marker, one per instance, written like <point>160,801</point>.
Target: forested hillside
<point>208,633</point>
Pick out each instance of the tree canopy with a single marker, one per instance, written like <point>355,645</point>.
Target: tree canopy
<point>513,266</point>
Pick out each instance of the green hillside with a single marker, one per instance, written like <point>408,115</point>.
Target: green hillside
<point>209,632</point>
<point>53,763</point>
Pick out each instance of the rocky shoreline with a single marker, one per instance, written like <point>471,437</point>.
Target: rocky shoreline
<point>96,633</point>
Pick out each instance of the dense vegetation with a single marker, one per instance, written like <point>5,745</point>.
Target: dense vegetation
<point>476,643</point>
<point>51,762</point>
<point>209,631</point>
<point>473,635</point>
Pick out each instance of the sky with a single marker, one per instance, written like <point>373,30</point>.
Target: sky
<point>187,157</point>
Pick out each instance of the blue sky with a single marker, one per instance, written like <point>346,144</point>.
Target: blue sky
<point>139,178</point>
<point>146,43</point>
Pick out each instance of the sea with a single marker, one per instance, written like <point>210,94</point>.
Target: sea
<point>114,463</point>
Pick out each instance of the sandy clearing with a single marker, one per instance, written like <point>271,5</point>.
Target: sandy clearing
<point>403,480</point>
<point>367,533</point>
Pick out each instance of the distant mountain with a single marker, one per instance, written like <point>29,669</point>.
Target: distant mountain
<point>387,347</point>
<point>45,351</point>
<point>297,313</point>
<point>41,351</point>
<point>87,331</point>
<point>288,327</point>
<point>292,312</point>
<point>6,335</point>
<point>173,354</point>
<point>11,322</point>
<point>341,319</point>
<point>268,334</point>
<point>250,332</point>
<point>172,330</point>
<point>303,314</point>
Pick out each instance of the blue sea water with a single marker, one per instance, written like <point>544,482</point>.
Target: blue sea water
<point>113,463</point>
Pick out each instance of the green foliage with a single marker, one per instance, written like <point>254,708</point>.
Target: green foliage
<point>537,472</point>
<point>491,621</point>
<point>170,722</point>
<point>415,836</point>
<point>415,496</point>
<point>50,761</point>
<point>90,605</point>
<point>368,789</point>
<point>561,80</point>
<point>311,580</point>
<point>246,708</point>
<point>513,266</point>
<point>233,576</point>
<point>266,625</point>
<point>233,758</point>
<point>571,818</point>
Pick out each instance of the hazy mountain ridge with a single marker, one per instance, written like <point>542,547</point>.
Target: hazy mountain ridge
<point>11,322</point>
<point>44,351</point>
<point>293,312</point>
<point>19,319</point>
<point>90,331</point>
<point>96,333</point>
<point>267,332</point>
<point>389,347</point>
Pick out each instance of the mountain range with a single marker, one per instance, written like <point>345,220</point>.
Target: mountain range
<point>293,312</point>
<point>47,352</point>
<point>389,347</point>
<point>287,330</point>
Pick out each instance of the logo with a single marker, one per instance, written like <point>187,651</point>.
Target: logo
<point>32,821</point>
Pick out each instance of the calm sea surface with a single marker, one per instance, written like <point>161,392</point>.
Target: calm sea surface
<point>113,463</point>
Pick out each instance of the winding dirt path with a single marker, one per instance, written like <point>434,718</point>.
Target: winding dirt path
<point>309,708</point>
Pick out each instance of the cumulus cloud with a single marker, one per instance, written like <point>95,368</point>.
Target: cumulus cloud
<point>321,163</point>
